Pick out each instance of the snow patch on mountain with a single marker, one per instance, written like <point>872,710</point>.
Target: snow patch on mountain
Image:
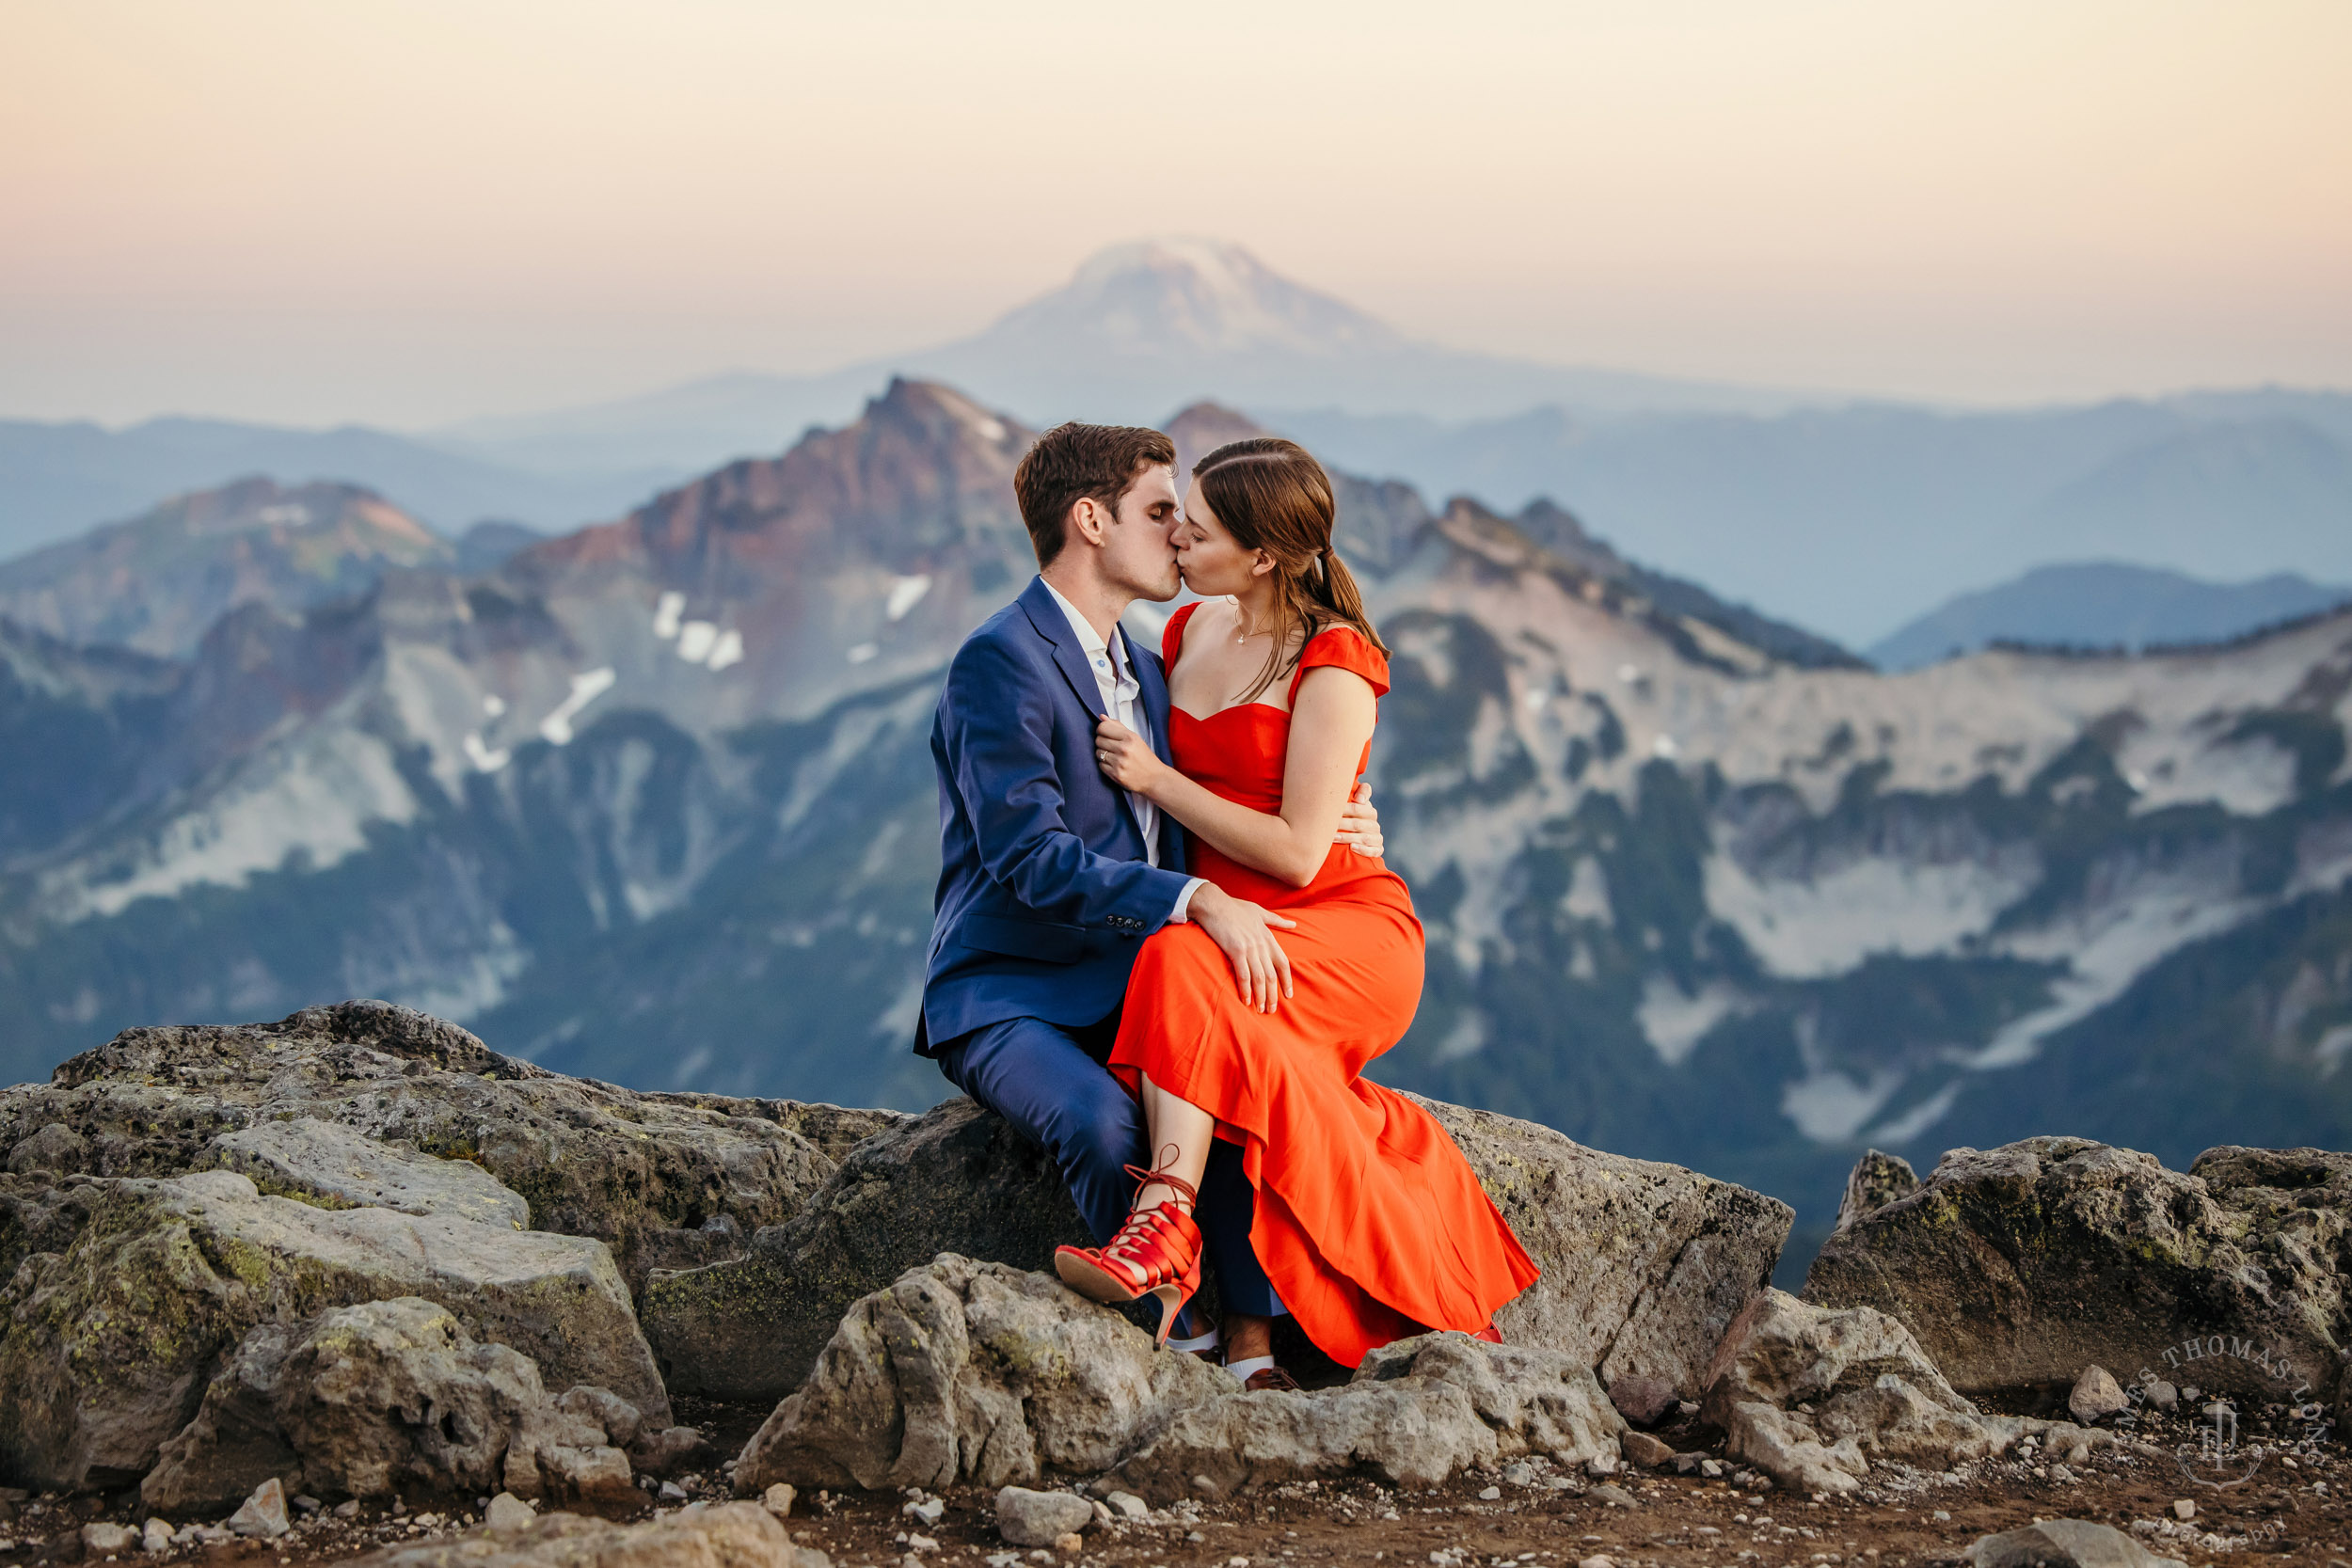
<point>309,801</point>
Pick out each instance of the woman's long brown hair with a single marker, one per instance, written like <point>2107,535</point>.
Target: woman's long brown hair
<point>1272,496</point>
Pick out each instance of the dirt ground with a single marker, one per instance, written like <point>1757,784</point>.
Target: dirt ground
<point>1538,1514</point>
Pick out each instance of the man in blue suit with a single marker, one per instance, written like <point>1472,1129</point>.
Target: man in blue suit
<point>1051,876</point>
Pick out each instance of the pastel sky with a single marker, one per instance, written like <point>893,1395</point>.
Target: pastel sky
<point>411,211</point>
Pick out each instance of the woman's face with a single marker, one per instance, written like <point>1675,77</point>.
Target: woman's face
<point>1212,560</point>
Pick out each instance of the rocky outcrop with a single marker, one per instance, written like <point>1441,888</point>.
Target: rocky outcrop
<point>1417,1413</point>
<point>731,1535</point>
<point>2024,1265</point>
<point>979,1372</point>
<point>186,1209</point>
<point>1644,1264</point>
<point>982,1372</point>
<point>1812,1396</point>
<point>106,1346</point>
<point>660,1177</point>
<point>363,1400</point>
<point>334,1167</point>
<point>957,1180</point>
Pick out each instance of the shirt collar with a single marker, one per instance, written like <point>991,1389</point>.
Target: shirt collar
<point>1086,639</point>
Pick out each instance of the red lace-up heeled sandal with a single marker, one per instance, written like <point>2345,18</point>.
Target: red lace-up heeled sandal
<point>1156,1254</point>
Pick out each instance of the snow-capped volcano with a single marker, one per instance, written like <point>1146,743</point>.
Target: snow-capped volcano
<point>1184,297</point>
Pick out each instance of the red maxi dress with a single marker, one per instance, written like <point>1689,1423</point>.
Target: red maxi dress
<point>1370,1223</point>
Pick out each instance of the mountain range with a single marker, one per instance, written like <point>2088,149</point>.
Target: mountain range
<point>2096,603</point>
<point>652,800</point>
<point>1852,518</point>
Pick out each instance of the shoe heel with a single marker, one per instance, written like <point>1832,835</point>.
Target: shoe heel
<point>1171,1299</point>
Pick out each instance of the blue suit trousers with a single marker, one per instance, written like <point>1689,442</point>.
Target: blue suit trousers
<point>1050,1084</point>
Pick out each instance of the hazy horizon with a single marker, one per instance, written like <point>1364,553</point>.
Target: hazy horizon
<point>267,210</point>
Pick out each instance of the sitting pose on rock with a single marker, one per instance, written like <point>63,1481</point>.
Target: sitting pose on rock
<point>1368,1222</point>
<point>1052,878</point>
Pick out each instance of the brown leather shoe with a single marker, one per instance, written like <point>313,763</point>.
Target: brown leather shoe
<point>1271,1380</point>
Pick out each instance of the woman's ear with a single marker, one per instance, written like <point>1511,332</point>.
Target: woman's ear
<point>1260,564</point>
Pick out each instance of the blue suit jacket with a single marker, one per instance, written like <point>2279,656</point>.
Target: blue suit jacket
<point>1044,895</point>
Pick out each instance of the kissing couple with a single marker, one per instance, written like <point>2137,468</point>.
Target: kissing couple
<point>1164,946</point>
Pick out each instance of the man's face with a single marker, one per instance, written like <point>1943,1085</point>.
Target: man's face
<point>1139,548</point>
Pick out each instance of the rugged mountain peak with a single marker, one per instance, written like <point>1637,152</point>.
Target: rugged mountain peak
<point>257,502</point>
<point>1187,297</point>
<point>155,582</point>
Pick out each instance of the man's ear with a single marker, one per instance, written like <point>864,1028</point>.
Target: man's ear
<point>1089,520</point>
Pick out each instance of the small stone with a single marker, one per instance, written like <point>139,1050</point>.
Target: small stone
<point>672,1491</point>
<point>348,1509</point>
<point>2190,1393</point>
<point>1642,1399</point>
<point>1609,1491</point>
<point>1070,1540</point>
<point>2184,1509</point>
<point>777,1500</point>
<point>1642,1449</point>
<point>921,1543</point>
<point>1026,1518</point>
<point>508,1512</point>
<point>1598,1559</point>
<point>2062,1544</point>
<point>157,1537</point>
<point>2096,1396</point>
<point>1711,1469</point>
<point>2162,1395</point>
<point>102,1538</point>
<point>1128,1506</point>
<point>1601,1465</point>
<point>1490,1493</point>
<point>262,1515</point>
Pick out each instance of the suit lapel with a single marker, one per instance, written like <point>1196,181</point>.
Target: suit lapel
<point>1037,600</point>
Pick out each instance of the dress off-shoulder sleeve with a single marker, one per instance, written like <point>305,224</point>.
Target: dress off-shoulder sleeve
<point>1172,635</point>
<point>1345,647</point>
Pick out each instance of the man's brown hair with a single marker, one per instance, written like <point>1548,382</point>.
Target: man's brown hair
<point>1081,462</point>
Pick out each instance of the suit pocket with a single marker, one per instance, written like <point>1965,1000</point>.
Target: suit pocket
<point>1041,940</point>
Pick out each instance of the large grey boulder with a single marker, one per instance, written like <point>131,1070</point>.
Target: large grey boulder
<point>731,1535</point>
<point>1644,1264</point>
<point>977,1372</point>
<point>966,1372</point>
<point>105,1348</point>
<point>2023,1265</point>
<point>1417,1413</point>
<point>660,1177</point>
<point>337,1166</point>
<point>363,1400</point>
<point>957,1180</point>
<point>1812,1396</point>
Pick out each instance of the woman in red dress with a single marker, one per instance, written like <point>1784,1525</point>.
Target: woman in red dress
<point>1370,1223</point>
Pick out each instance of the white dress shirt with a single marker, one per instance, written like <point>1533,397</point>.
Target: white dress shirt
<point>1122,694</point>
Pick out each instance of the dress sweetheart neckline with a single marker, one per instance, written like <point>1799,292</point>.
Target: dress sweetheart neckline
<point>1229,708</point>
